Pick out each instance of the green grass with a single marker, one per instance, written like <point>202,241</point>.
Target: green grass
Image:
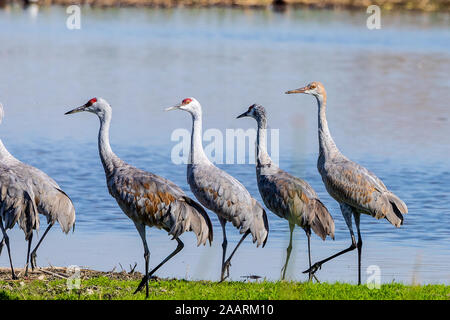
<point>103,288</point>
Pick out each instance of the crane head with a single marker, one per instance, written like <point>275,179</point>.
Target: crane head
<point>190,105</point>
<point>95,105</point>
<point>315,88</point>
<point>255,111</point>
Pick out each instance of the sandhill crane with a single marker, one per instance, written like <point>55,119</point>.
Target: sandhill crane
<point>355,188</point>
<point>220,192</point>
<point>48,197</point>
<point>16,202</point>
<point>16,206</point>
<point>289,197</point>
<point>147,199</point>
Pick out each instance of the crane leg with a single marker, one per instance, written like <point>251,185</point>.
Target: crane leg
<point>2,243</point>
<point>33,253</point>
<point>179,247</point>
<point>359,244</point>
<point>308,235</point>
<point>28,254</point>
<point>224,248</point>
<point>347,213</point>
<point>288,251</point>
<point>141,229</point>
<point>6,239</point>
<point>228,262</point>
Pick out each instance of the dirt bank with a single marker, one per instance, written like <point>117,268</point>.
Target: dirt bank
<point>55,273</point>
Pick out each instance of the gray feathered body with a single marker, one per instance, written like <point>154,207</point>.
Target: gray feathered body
<point>17,202</point>
<point>350,183</point>
<point>47,196</point>
<point>229,199</point>
<point>151,200</point>
<point>50,200</point>
<point>294,199</point>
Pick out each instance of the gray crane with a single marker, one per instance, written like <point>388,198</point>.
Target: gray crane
<point>146,198</point>
<point>47,196</point>
<point>220,192</point>
<point>289,197</point>
<point>16,202</point>
<point>355,188</point>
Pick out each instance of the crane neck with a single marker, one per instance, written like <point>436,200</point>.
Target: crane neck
<point>4,153</point>
<point>106,154</point>
<point>197,155</point>
<point>327,147</point>
<point>262,157</point>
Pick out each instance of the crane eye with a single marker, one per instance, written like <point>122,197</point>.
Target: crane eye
<point>186,101</point>
<point>313,86</point>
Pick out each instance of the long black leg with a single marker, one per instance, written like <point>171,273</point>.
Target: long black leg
<point>288,251</point>
<point>308,235</point>
<point>359,244</point>
<point>6,238</point>
<point>224,248</point>
<point>2,243</point>
<point>227,263</point>
<point>141,229</point>
<point>347,213</point>
<point>33,253</point>
<point>28,253</point>
<point>179,247</point>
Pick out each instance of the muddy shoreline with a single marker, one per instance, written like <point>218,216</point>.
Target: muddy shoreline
<point>58,273</point>
<point>410,5</point>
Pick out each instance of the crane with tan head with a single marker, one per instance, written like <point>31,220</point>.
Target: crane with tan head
<point>220,192</point>
<point>146,198</point>
<point>289,197</point>
<point>355,188</point>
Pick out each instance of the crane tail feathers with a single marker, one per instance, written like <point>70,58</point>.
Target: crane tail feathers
<point>266,225</point>
<point>320,219</point>
<point>200,222</point>
<point>396,209</point>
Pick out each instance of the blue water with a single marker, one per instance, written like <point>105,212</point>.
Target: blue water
<point>387,109</point>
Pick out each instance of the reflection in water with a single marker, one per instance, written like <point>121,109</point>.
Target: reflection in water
<point>32,9</point>
<point>387,109</point>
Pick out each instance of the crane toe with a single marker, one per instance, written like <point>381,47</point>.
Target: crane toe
<point>313,269</point>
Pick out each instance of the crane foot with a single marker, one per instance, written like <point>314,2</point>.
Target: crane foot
<point>313,269</point>
<point>144,281</point>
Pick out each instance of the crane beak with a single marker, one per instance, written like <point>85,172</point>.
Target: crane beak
<point>245,114</point>
<point>299,90</point>
<point>175,107</point>
<point>79,109</point>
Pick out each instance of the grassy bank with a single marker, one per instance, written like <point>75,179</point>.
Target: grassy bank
<point>51,283</point>
<point>422,5</point>
<point>105,288</point>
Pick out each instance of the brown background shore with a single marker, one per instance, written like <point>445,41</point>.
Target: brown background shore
<point>422,5</point>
